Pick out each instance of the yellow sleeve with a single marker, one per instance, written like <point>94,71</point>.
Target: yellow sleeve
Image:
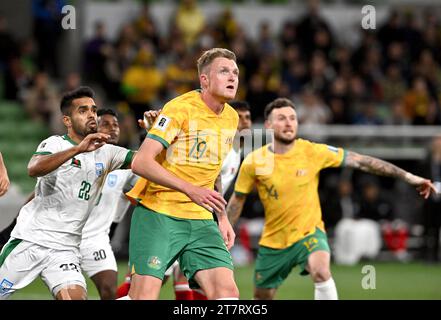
<point>138,191</point>
<point>329,156</point>
<point>246,178</point>
<point>168,124</point>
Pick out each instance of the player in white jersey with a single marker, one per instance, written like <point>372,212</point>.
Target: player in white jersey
<point>97,257</point>
<point>231,164</point>
<point>71,171</point>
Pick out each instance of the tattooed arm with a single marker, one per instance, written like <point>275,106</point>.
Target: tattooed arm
<point>384,168</point>
<point>235,206</point>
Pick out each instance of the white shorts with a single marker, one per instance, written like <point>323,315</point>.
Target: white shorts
<point>97,255</point>
<point>21,262</point>
<point>169,271</point>
<point>355,239</point>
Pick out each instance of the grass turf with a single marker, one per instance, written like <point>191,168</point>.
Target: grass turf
<point>393,281</point>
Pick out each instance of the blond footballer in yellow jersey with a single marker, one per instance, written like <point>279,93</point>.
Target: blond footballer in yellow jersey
<point>197,140</point>
<point>173,219</point>
<point>228,173</point>
<point>286,175</point>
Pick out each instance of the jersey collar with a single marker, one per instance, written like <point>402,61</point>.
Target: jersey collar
<point>67,138</point>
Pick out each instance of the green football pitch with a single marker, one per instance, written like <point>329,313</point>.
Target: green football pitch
<point>391,281</point>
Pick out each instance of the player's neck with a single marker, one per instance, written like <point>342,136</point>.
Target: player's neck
<point>74,137</point>
<point>212,102</point>
<point>281,148</point>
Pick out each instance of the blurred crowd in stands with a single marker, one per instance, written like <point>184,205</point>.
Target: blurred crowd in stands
<point>393,76</point>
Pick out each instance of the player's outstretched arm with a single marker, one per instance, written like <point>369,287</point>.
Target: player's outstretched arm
<point>40,165</point>
<point>145,165</point>
<point>384,168</point>
<point>4,179</point>
<point>235,206</point>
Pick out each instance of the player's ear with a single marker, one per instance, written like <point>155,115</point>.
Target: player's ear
<point>203,78</point>
<point>67,121</point>
<point>267,123</point>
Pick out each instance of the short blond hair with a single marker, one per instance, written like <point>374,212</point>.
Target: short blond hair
<point>208,56</point>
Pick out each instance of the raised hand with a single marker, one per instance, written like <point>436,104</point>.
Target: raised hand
<point>425,188</point>
<point>149,119</point>
<point>93,142</point>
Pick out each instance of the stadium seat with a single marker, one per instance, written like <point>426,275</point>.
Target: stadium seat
<point>11,111</point>
<point>19,137</point>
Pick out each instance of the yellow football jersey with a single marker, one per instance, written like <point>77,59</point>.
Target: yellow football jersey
<point>288,188</point>
<point>138,191</point>
<point>197,140</point>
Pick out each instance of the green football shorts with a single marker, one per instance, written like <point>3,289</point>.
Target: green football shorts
<point>274,265</point>
<point>157,240</point>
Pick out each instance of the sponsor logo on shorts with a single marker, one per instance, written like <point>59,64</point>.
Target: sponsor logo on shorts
<point>5,286</point>
<point>258,276</point>
<point>154,263</point>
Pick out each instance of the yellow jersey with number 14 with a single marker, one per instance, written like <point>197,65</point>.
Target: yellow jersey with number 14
<point>288,188</point>
<point>197,141</point>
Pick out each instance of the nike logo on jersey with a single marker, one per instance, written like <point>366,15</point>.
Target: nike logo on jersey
<point>333,149</point>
